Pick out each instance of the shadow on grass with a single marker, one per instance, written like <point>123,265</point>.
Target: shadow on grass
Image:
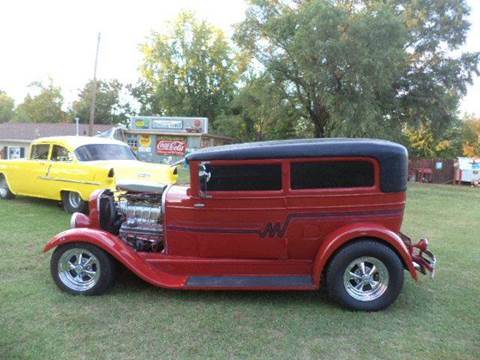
<point>37,202</point>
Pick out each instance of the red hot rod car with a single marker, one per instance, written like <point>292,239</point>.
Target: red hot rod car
<point>281,215</point>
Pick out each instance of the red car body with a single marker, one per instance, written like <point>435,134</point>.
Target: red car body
<point>279,239</point>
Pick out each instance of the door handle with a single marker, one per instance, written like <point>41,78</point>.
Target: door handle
<point>199,205</point>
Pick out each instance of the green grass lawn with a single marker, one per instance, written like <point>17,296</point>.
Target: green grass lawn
<point>430,320</point>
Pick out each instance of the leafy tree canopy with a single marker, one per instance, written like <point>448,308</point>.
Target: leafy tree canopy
<point>363,68</point>
<point>108,107</point>
<point>46,106</point>
<point>188,71</point>
<point>7,105</point>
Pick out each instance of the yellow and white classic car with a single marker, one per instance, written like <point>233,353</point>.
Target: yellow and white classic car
<point>70,168</point>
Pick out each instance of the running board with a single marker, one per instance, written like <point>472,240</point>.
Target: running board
<point>245,282</point>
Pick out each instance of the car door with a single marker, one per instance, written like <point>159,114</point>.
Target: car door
<point>240,211</point>
<point>35,171</point>
<point>66,174</point>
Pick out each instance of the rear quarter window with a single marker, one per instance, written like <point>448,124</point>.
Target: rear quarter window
<point>40,152</point>
<point>331,174</point>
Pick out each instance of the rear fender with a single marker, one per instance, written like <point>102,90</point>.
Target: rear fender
<point>343,235</point>
<point>2,174</point>
<point>120,251</point>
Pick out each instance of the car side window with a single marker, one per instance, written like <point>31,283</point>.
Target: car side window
<point>40,152</point>
<point>59,153</point>
<point>254,177</point>
<point>331,174</point>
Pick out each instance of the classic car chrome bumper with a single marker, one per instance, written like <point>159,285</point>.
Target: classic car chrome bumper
<point>423,259</point>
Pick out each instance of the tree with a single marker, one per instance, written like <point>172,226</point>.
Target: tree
<point>108,107</point>
<point>364,68</point>
<point>190,71</point>
<point>471,137</point>
<point>46,106</point>
<point>7,105</point>
<point>259,112</point>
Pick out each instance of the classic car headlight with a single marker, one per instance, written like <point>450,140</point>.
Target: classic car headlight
<point>79,220</point>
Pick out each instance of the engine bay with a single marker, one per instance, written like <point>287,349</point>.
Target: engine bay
<point>136,217</point>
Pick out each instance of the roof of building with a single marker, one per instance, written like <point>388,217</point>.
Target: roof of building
<point>393,157</point>
<point>30,131</point>
<point>73,142</point>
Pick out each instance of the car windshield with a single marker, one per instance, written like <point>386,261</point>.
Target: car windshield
<point>96,152</point>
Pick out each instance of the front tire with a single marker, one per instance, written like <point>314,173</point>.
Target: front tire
<point>82,269</point>
<point>366,275</point>
<point>72,202</point>
<point>5,193</point>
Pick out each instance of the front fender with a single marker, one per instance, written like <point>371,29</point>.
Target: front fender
<point>121,252</point>
<point>343,235</point>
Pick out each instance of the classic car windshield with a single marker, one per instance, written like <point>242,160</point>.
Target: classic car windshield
<point>94,152</point>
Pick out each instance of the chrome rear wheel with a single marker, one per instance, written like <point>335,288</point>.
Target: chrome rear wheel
<point>366,278</point>
<point>5,192</point>
<point>365,275</point>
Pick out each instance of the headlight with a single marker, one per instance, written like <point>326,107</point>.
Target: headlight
<point>79,220</point>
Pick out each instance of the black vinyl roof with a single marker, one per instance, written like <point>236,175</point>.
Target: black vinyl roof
<point>393,157</point>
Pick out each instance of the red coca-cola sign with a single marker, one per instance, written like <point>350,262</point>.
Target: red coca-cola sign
<point>171,147</point>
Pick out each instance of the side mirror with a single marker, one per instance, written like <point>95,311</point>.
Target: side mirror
<point>204,176</point>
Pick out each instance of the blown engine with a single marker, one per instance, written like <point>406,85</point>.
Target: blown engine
<point>136,217</point>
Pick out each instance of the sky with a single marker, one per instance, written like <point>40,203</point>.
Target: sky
<point>57,39</point>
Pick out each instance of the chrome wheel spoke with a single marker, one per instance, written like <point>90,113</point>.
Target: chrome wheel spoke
<point>89,272</point>
<point>359,286</point>
<point>71,266</point>
<point>79,259</point>
<point>89,260</point>
<point>355,276</point>
<point>362,268</point>
<point>372,270</point>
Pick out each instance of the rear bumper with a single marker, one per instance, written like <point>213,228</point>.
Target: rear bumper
<point>423,259</point>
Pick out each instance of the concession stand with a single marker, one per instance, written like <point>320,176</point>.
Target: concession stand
<point>164,139</point>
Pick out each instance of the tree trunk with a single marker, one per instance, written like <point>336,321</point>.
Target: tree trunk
<point>319,117</point>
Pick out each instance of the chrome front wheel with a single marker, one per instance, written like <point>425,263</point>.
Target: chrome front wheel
<point>79,269</point>
<point>82,269</point>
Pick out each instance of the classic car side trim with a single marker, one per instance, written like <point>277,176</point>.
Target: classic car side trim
<point>278,229</point>
<point>250,281</point>
<point>69,181</point>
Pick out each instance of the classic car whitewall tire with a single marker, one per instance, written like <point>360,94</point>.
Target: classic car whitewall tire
<point>365,275</point>
<point>82,269</point>
<point>72,202</point>
<point>5,192</point>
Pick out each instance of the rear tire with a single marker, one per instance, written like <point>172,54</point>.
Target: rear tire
<point>5,193</point>
<point>82,269</point>
<point>72,202</point>
<point>366,275</point>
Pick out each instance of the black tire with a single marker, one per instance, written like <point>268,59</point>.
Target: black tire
<point>105,266</point>
<point>71,206</point>
<point>5,193</point>
<point>361,252</point>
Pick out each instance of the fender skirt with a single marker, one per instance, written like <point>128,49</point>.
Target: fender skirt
<point>121,252</point>
<point>343,235</point>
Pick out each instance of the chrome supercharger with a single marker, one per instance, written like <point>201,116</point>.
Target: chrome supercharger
<point>135,214</point>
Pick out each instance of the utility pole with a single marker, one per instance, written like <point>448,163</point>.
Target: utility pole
<point>94,91</point>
